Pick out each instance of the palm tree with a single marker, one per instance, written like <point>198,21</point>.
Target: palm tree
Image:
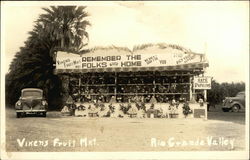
<point>66,25</point>
<point>31,67</point>
<point>61,27</point>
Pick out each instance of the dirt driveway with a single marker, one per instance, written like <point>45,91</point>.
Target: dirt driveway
<point>221,132</point>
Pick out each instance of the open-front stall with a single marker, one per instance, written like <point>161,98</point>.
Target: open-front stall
<point>150,78</point>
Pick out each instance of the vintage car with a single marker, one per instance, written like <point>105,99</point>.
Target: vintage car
<point>234,104</point>
<point>31,102</point>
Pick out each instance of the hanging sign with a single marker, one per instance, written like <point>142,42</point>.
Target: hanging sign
<point>69,61</point>
<point>202,82</point>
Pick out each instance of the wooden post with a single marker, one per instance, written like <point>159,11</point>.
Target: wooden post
<point>205,95</point>
<point>190,89</point>
<point>205,102</point>
<point>79,81</point>
<point>154,83</point>
<point>79,85</point>
<point>115,84</point>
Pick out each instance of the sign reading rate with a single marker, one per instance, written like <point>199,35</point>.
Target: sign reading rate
<point>202,82</point>
<point>124,61</point>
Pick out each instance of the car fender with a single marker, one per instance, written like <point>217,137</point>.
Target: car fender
<point>241,106</point>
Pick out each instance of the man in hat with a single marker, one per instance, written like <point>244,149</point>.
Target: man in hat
<point>70,104</point>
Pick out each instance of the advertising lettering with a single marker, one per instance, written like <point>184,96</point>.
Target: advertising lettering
<point>71,61</point>
<point>202,82</point>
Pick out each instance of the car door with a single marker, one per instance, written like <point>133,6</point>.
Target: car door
<point>242,99</point>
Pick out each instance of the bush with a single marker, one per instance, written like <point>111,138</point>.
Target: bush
<point>219,91</point>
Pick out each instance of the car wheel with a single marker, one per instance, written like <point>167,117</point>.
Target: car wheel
<point>225,109</point>
<point>235,108</point>
<point>18,115</point>
<point>44,114</point>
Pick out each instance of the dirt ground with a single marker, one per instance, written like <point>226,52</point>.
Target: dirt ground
<point>227,130</point>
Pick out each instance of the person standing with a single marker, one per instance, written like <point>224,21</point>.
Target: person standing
<point>172,108</point>
<point>70,104</point>
<point>186,109</point>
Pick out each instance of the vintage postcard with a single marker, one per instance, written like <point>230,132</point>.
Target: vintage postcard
<point>125,80</point>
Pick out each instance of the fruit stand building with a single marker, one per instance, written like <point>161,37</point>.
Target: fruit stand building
<point>155,73</point>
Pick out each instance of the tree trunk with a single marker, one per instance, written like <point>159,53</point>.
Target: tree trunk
<point>65,87</point>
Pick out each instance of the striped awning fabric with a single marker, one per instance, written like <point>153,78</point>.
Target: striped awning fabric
<point>190,66</point>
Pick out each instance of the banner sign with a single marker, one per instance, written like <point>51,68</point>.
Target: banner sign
<point>202,82</point>
<point>125,60</point>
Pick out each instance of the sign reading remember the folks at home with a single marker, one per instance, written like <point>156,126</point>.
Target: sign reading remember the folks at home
<point>92,61</point>
<point>202,82</point>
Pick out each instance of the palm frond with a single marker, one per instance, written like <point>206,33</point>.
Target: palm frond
<point>161,46</point>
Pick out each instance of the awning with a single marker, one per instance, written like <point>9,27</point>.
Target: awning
<point>190,66</point>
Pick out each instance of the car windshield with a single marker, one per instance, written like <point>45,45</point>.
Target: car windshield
<point>32,94</point>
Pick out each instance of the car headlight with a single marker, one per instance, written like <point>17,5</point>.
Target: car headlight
<point>44,103</point>
<point>18,103</point>
<point>230,101</point>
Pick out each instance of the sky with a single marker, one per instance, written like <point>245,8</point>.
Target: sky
<point>216,28</point>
